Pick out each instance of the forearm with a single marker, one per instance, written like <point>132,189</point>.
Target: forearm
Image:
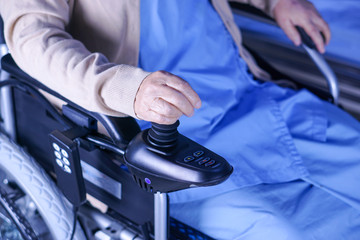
<point>36,36</point>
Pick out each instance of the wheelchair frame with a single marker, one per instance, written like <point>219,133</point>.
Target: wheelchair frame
<point>124,197</point>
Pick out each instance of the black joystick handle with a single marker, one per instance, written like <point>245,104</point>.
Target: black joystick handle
<point>163,136</point>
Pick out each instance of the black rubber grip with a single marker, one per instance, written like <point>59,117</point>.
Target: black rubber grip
<point>165,135</point>
<point>306,39</point>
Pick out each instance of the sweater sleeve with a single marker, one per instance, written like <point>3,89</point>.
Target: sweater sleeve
<point>266,6</point>
<point>36,37</point>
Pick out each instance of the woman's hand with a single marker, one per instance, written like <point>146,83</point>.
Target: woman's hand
<point>163,98</point>
<point>291,13</point>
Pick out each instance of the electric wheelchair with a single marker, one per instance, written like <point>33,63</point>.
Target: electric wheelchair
<point>85,161</point>
<point>109,186</point>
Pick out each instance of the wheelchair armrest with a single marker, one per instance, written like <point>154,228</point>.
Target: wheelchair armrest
<point>121,130</point>
<point>251,12</point>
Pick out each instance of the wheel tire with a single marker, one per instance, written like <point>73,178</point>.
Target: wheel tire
<point>32,179</point>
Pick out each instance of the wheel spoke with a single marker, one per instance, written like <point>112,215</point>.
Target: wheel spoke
<point>15,194</point>
<point>16,216</point>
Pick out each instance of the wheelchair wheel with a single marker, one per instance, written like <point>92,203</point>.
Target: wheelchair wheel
<point>35,195</point>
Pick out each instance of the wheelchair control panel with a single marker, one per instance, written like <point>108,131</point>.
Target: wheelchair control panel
<point>162,160</point>
<point>66,162</point>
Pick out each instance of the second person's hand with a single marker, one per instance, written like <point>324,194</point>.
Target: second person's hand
<point>291,13</point>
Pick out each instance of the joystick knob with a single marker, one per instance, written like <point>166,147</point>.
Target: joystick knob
<point>163,136</point>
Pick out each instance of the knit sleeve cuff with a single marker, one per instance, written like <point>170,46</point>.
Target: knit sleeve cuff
<point>119,92</point>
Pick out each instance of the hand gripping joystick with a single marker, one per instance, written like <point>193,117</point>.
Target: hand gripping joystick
<point>162,160</point>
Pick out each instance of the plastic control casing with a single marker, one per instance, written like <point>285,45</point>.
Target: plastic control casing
<point>66,162</point>
<point>186,164</point>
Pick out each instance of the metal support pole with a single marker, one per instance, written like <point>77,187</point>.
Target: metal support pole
<point>7,109</point>
<point>325,69</point>
<point>161,208</point>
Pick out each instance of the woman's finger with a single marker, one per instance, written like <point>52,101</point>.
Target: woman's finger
<point>314,32</point>
<point>164,108</point>
<point>177,99</point>
<point>291,32</point>
<point>323,27</point>
<point>153,116</point>
<point>185,88</point>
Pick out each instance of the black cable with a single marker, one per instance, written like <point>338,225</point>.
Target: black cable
<point>83,227</point>
<point>106,144</point>
<point>25,87</point>
<point>75,210</point>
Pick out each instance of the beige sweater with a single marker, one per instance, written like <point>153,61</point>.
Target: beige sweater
<point>87,50</point>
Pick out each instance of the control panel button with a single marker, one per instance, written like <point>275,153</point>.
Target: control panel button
<point>210,163</point>
<point>64,153</point>
<point>67,169</point>
<point>201,162</point>
<point>189,159</point>
<point>59,162</point>
<point>56,147</point>
<point>57,154</point>
<point>198,153</point>
<point>66,161</point>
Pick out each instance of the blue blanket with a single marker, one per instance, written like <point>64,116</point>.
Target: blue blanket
<point>289,149</point>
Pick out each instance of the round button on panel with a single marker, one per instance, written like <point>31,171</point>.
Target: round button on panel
<point>188,159</point>
<point>210,163</point>
<point>59,162</point>
<point>205,160</point>
<point>57,154</point>
<point>64,153</point>
<point>67,169</point>
<point>56,147</point>
<point>198,153</point>
<point>66,161</point>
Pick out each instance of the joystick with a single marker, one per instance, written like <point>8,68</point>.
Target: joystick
<point>163,136</point>
<point>163,160</point>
